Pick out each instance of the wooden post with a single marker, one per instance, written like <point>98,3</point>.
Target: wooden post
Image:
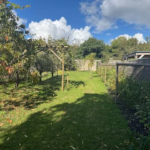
<point>116,82</point>
<point>110,67</point>
<point>101,71</point>
<point>105,73</point>
<point>67,80</point>
<point>103,76</point>
<point>62,84</point>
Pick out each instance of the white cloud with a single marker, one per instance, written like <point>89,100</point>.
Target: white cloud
<point>126,36</point>
<point>138,36</point>
<point>103,14</point>
<point>58,29</point>
<point>21,20</point>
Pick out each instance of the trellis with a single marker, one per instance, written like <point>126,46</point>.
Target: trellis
<point>52,49</point>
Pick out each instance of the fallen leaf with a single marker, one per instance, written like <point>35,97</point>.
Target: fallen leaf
<point>1,124</point>
<point>8,120</point>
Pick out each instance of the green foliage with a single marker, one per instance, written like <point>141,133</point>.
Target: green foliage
<point>92,45</point>
<point>143,113</point>
<point>135,95</point>
<point>91,58</point>
<point>106,54</point>
<point>134,92</point>
<point>69,52</point>
<point>13,45</point>
<point>111,80</point>
<point>139,142</point>
<point>110,76</point>
<point>122,46</point>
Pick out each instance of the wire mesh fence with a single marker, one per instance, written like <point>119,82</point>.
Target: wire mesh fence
<point>128,74</point>
<point>129,83</point>
<point>134,70</point>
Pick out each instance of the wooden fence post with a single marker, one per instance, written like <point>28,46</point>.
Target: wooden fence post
<point>67,80</point>
<point>110,68</point>
<point>101,71</point>
<point>116,82</point>
<point>105,73</point>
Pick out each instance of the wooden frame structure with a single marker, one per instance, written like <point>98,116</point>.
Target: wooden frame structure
<point>137,55</point>
<point>62,59</point>
<point>63,64</point>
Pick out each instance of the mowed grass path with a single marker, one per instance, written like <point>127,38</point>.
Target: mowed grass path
<point>41,117</point>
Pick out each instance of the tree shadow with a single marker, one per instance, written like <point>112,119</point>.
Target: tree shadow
<point>32,95</point>
<point>74,84</point>
<point>92,122</point>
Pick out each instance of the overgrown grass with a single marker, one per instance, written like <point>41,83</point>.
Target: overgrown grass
<point>41,117</point>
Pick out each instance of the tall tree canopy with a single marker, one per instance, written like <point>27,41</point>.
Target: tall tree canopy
<point>122,46</point>
<point>92,45</point>
<point>13,45</point>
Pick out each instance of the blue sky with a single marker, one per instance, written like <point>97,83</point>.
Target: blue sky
<point>80,19</point>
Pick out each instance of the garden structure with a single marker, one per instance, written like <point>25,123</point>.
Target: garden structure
<point>137,55</point>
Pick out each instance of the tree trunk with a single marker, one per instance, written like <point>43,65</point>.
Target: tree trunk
<point>17,79</point>
<point>52,74</point>
<point>28,73</point>
<point>9,76</point>
<point>57,71</point>
<point>40,76</point>
<point>90,73</point>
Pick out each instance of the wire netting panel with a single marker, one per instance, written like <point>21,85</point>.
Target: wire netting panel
<point>136,72</point>
<point>129,84</point>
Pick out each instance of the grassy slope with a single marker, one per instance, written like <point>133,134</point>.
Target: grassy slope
<point>80,118</point>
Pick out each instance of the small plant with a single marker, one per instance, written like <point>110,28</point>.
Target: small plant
<point>143,113</point>
<point>111,80</point>
<point>139,142</point>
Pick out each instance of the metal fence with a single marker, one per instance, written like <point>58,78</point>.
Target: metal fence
<point>136,69</point>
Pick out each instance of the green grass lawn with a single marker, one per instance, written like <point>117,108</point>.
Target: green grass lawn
<point>41,117</point>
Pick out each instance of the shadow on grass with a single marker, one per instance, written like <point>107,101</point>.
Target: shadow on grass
<point>31,95</point>
<point>92,122</point>
<point>74,84</point>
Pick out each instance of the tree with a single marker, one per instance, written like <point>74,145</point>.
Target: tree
<point>54,64</point>
<point>12,40</point>
<point>106,54</point>
<point>92,45</point>
<point>70,56</point>
<point>122,46</point>
<point>90,58</point>
<point>43,63</point>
